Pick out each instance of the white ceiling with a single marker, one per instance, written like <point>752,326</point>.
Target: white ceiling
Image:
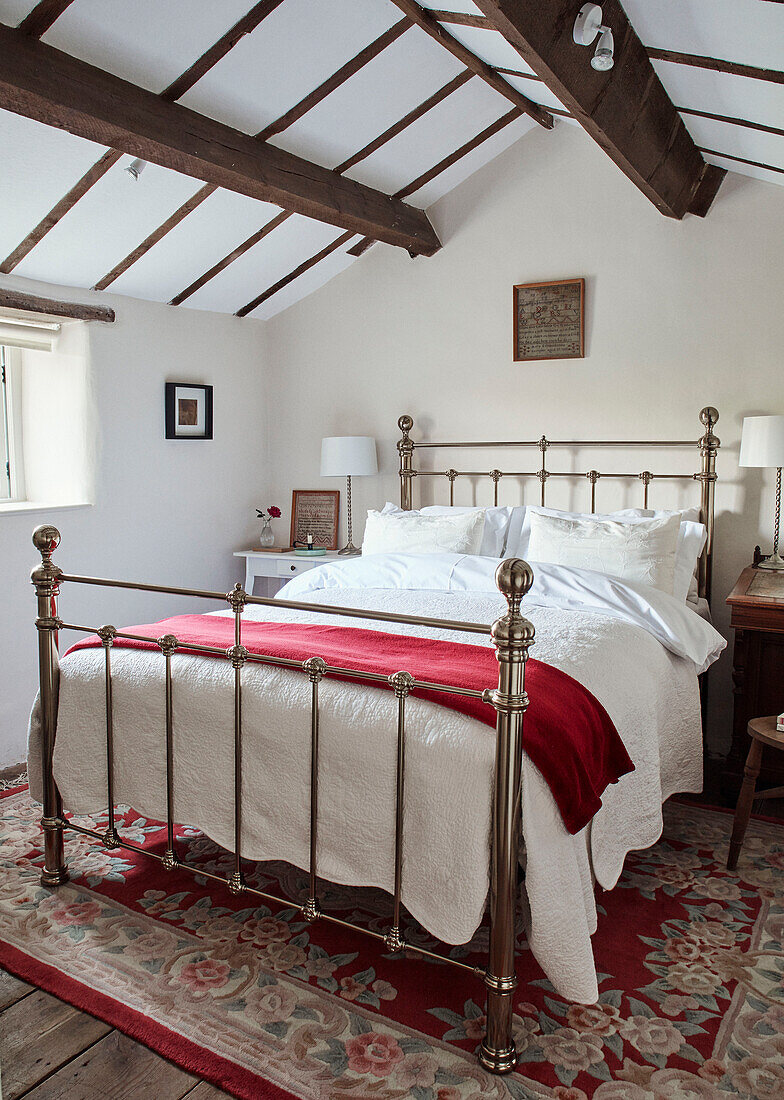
<point>299,45</point>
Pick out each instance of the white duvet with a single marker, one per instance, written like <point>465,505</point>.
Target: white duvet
<point>637,650</point>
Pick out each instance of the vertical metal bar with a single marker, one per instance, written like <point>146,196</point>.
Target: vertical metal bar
<point>709,445</point>
<point>46,581</point>
<point>496,475</point>
<point>405,450</point>
<point>238,655</point>
<point>315,667</point>
<point>593,477</point>
<point>107,635</point>
<point>451,475</point>
<point>401,682</point>
<point>168,644</point>
<point>512,635</point>
<point>543,475</point>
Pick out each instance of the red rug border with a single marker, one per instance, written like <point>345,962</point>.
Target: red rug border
<point>194,1059</point>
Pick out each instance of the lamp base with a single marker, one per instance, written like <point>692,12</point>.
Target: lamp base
<point>775,561</point>
<point>350,548</point>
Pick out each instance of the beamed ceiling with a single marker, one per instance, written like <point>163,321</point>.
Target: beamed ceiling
<point>286,137</point>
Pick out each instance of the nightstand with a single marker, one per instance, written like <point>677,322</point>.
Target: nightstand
<point>278,566</point>
<point>757,603</point>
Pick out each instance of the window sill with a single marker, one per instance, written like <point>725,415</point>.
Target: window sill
<point>31,507</point>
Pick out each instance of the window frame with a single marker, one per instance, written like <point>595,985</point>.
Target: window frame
<point>10,365</point>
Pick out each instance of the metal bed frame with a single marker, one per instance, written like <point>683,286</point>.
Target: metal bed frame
<point>512,636</point>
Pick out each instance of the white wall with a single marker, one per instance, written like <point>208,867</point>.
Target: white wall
<point>679,315</point>
<point>167,511</point>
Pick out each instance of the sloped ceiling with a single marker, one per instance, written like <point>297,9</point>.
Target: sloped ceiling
<point>165,239</point>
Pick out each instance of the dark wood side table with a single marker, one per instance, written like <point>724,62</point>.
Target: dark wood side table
<point>757,603</point>
<point>762,731</point>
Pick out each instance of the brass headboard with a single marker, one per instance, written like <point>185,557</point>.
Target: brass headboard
<point>707,446</point>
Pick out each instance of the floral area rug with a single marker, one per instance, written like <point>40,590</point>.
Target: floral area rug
<point>689,957</point>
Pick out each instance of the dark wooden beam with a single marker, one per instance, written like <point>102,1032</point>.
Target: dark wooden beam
<point>216,53</point>
<point>306,265</point>
<point>742,160</point>
<point>745,122</point>
<point>461,19</point>
<point>54,88</point>
<point>428,23</point>
<point>343,74</point>
<point>235,254</point>
<point>447,162</point>
<point>40,19</point>
<point>714,63</point>
<point>176,89</point>
<point>625,110</point>
<point>32,303</point>
<point>60,209</point>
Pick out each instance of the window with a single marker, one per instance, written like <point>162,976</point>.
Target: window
<point>12,480</point>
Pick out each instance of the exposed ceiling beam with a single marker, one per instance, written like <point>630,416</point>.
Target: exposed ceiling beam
<point>730,120</point>
<point>625,110</point>
<point>714,63</point>
<point>50,86</point>
<point>40,19</point>
<point>15,299</point>
<point>742,160</point>
<point>306,265</point>
<point>461,19</point>
<point>343,74</point>
<point>428,23</point>
<point>177,88</point>
<point>371,147</point>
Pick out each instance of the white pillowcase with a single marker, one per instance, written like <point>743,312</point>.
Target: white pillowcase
<point>643,551</point>
<point>691,538</point>
<point>413,533</point>
<point>495,528</point>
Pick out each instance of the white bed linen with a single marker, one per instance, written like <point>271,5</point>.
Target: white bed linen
<point>638,656</point>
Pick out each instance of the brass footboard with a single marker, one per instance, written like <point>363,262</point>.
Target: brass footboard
<point>512,635</point>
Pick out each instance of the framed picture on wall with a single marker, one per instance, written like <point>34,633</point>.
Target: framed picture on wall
<point>188,411</point>
<point>315,512</point>
<point>549,320</point>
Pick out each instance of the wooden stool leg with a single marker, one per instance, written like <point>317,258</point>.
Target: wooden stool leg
<point>745,800</point>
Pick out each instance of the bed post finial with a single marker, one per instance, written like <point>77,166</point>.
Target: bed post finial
<point>709,445</point>
<point>405,448</point>
<point>512,635</point>
<point>46,581</point>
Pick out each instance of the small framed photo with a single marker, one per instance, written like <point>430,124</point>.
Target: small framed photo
<point>315,512</point>
<point>549,320</point>
<point>188,411</point>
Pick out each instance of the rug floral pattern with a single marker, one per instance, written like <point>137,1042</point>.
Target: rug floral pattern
<point>690,961</point>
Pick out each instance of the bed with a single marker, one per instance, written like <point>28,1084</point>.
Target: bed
<point>298,746</point>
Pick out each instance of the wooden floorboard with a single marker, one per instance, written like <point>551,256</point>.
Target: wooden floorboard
<point>52,1051</point>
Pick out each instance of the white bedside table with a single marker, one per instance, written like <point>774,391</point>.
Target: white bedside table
<point>277,566</point>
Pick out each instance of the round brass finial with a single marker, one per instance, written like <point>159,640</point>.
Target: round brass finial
<point>709,416</point>
<point>405,423</point>
<point>46,539</point>
<point>514,577</point>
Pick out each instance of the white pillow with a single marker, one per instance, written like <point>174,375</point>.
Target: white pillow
<point>495,528</point>
<point>412,533</point>
<point>644,551</point>
<point>691,539</point>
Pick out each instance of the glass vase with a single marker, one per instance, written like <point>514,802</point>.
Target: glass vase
<point>266,538</point>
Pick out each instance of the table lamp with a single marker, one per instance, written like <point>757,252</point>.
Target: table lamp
<point>348,456</point>
<point>762,444</point>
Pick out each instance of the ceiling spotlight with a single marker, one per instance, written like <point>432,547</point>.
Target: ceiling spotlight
<point>587,26</point>
<point>135,168</point>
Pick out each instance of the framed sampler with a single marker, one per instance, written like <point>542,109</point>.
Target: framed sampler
<point>188,411</point>
<point>315,512</point>
<point>549,320</point>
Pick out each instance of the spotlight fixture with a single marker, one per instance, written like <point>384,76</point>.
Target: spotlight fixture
<point>135,169</point>
<point>587,26</point>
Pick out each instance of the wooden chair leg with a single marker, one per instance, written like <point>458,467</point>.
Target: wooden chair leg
<point>745,800</point>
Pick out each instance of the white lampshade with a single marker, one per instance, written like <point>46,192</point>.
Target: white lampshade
<point>348,455</point>
<point>762,441</point>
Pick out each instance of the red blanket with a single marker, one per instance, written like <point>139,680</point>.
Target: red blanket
<point>567,733</point>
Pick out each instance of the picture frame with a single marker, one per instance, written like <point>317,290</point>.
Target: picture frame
<point>188,410</point>
<point>315,512</point>
<point>549,320</point>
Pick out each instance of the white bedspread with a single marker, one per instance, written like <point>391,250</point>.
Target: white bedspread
<point>636,650</point>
